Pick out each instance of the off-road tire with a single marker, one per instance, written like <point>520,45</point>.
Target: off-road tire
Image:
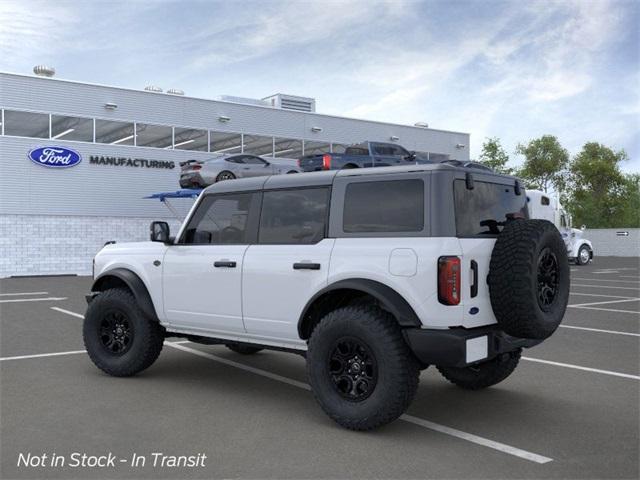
<point>397,369</point>
<point>514,278</point>
<point>483,375</point>
<point>147,336</point>
<point>242,348</point>
<point>579,257</point>
<point>225,175</point>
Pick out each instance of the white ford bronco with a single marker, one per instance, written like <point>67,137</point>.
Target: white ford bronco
<point>371,274</point>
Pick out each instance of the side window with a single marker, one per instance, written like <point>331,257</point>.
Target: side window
<point>250,159</point>
<point>237,159</point>
<point>384,206</point>
<point>383,150</point>
<point>399,151</point>
<point>222,219</point>
<point>563,221</point>
<point>544,200</point>
<point>296,216</point>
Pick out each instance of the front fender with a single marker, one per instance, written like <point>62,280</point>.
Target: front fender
<point>117,276</point>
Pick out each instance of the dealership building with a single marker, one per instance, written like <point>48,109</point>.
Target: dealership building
<point>120,145</point>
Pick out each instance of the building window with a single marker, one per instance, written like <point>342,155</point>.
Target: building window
<point>316,148</point>
<point>258,145</point>
<point>71,128</point>
<point>26,124</point>
<point>114,133</point>
<point>287,148</point>
<point>190,139</point>
<point>385,206</point>
<point>157,136</point>
<point>221,142</point>
<point>296,216</point>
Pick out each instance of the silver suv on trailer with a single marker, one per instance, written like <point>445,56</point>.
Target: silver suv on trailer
<point>372,274</point>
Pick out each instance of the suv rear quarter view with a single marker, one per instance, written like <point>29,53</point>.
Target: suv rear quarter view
<point>372,274</point>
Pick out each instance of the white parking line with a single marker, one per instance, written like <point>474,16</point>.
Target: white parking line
<point>604,286</point>
<point>600,330</point>
<point>603,280</point>
<point>48,299</point>
<point>604,303</point>
<point>22,293</point>
<point>533,457</point>
<point>41,355</point>
<point>62,310</point>
<point>597,295</point>
<point>586,369</point>
<point>633,312</point>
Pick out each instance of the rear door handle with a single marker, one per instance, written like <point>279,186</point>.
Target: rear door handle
<point>224,263</point>
<point>306,266</point>
<point>474,271</point>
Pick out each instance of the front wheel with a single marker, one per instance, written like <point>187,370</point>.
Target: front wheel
<point>119,338</point>
<point>483,375</point>
<point>361,371</point>
<point>584,255</point>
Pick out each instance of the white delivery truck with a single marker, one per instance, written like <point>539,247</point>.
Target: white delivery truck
<point>543,206</point>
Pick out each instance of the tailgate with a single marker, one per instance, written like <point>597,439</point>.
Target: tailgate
<point>476,256</point>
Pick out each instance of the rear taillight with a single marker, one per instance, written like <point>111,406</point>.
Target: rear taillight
<point>326,162</point>
<point>299,162</point>
<point>449,280</point>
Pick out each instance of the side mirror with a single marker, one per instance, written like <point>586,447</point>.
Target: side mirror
<point>159,232</point>
<point>583,227</point>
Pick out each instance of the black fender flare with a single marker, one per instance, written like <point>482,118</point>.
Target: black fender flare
<point>135,284</point>
<point>388,297</point>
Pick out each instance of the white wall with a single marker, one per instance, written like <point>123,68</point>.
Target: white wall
<point>606,242</point>
<point>53,244</point>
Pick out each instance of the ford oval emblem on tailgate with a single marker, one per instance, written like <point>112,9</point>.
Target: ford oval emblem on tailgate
<point>55,157</point>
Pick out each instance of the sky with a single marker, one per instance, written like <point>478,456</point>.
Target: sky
<point>513,70</point>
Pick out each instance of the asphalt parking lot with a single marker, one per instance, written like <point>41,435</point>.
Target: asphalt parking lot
<point>571,409</point>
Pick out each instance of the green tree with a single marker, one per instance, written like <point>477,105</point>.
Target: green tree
<point>494,156</point>
<point>545,163</point>
<point>600,195</point>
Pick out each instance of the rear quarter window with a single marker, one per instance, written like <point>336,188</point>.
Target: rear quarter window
<point>484,210</point>
<point>384,206</point>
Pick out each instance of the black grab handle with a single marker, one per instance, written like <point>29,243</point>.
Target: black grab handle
<point>306,266</point>
<point>224,264</point>
<point>474,270</point>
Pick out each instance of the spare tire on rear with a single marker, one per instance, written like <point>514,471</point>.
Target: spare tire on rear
<point>529,278</point>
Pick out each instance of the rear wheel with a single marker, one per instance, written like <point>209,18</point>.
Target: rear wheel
<point>584,255</point>
<point>225,175</point>
<point>361,371</point>
<point>483,375</point>
<point>119,338</point>
<point>243,348</point>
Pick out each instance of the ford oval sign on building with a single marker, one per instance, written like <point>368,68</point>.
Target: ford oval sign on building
<point>55,157</point>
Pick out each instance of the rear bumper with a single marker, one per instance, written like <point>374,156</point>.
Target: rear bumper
<point>460,347</point>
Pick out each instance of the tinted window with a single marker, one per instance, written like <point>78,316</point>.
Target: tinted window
<point>294,216</point>
<point>26,124</point>
<point>390,206</point>
<point>361,149</point>
<point>113,132</point>
<point>72,128</point>
<point>221,219</point>
<point>253,160</point>
<point>544,200</point>
<point>484,210</point>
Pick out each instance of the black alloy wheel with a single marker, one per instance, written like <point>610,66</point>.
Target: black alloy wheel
<point>116,332</point>
<point>547,278</point>
<point>353,369</point>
